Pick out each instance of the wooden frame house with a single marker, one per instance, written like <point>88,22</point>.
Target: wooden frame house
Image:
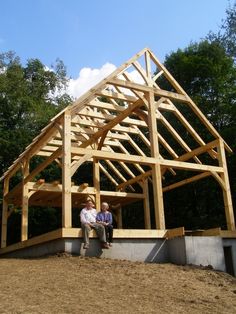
<point>115,126</point>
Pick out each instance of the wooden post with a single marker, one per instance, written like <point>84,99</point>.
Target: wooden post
<point>25,203</point>
<point>96,183</point>
<point>4,213</point>
<point>156,169</point>
<point>147,220</point>
<point>119,218</point>
<point>66,171</point>
<point>229,212</point>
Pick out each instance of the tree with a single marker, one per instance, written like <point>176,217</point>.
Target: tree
<point>29,97</point>
<point>226,36</point>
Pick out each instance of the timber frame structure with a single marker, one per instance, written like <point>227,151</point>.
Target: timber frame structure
<point>115,127</point>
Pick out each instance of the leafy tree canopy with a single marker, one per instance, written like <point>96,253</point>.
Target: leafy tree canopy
<point>29,96</point>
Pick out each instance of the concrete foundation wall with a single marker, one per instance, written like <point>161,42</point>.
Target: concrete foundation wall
<point>205,251</point>
<point>182,250</point>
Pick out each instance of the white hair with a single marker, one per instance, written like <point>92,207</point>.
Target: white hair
<point>105,204</point>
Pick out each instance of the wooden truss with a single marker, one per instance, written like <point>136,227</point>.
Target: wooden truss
<point>115,126</point>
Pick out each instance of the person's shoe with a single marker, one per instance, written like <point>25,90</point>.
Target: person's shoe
<point>110,244</point>
<point>105,246</point>
<point>86,246</point>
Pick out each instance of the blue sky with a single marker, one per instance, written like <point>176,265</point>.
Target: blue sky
<point>90,33</point>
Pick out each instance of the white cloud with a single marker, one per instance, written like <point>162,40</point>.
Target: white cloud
<point>88,78</point>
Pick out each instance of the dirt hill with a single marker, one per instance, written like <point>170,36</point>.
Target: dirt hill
<point>66,284</point>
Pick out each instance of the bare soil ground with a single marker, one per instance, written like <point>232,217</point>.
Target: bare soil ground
<point>66,284</point>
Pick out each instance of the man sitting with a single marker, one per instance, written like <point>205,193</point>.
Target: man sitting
<point>88,222</point>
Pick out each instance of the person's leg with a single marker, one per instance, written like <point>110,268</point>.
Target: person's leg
<point>110,233</point>
<point>107,233</point>
<point>100,230</point>
<point>85,230</point>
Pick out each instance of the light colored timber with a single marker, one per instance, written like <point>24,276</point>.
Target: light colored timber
<point>119,96</point>
<point>134,180</point>
<point>108,175</point>
<point>177,137</point>
<point>228,233</point>
<point>122,194</point>
<point>112,123</point>
<point>96,183</point>
<point>219,180</point>
<point>25,203</point>
<point>211,232</point>
<point>146,203</point>
<point>148,67</point>
<point>145,160</point>
<point>144,88</point>
<point>119,218</point>
<point>229,212</point>
<point>186,181</point>
<point>118,173</point>
<point>4,214</point>
<point>156,169</point>
<point>75,166</point>
<point>176,232</point>
<point>66,171</point>
<point>198,151</point>
<point>189,166</point>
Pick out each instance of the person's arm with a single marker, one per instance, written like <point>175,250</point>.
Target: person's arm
<point>99,218</point>
<point>83,218</point>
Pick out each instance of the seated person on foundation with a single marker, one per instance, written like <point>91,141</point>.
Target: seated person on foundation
<point>88,222</point>
<point>104,217</point>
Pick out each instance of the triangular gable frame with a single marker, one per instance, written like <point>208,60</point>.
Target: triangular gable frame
<point>99,126</point>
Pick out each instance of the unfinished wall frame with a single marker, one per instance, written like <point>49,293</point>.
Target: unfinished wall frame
<point>117,122</point>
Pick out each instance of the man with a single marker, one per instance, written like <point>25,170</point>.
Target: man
<point>88,222</point>
<point>104,217</point>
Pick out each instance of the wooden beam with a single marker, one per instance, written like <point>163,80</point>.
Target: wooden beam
<point>145,88</point>
<point>114,95</point>
<point>177,137</point>
<point>198,151</point>
<point>218,179</point>
<point>122,194</point>
<point>112,123</point>
<point>25,203</point>
<point>43,165</point>
<point>134,180</point>
<point>4,213</point>
<point>229,212</point>
<point>186,181</point>
<point>189,166</point>
<point>147,218</point>
<point>96,183</point>
<point>66,171</point>
<point>156,169</point>
<point>77,164</point>
<point>111,156</point>
<point>176,232</point>
<point>148,67</point>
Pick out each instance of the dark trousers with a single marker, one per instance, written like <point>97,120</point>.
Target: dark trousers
<point>109,233</point>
